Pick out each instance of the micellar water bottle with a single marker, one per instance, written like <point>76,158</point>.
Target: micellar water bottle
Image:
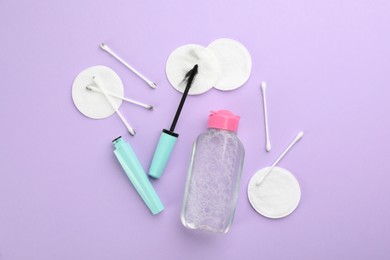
<point>214,175</point>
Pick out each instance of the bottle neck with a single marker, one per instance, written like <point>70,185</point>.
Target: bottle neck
<point>221,130</point>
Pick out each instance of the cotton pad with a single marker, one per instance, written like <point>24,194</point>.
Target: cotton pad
<point>183,59</point>
<point>235,63</point>
<point>93,104</point>
<point>277,196</point>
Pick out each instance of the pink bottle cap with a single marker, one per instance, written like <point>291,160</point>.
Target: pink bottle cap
<point>223,119</point>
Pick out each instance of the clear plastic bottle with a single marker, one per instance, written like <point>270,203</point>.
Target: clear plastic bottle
<point>214,175</point>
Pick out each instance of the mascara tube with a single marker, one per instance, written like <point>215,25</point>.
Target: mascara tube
<point>133,169</point>
<point>162,153</point>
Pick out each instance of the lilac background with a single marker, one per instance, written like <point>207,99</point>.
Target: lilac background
<point>64,196</point>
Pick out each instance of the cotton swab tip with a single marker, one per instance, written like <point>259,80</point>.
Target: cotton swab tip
<point>152,85</point>
<point>268,146</point>
<point>263,85</point>
<point>300,135</point>
<point>103,46</point>
<point>132,132</point>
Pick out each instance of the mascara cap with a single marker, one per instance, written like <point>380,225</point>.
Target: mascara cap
<point>137,175</point>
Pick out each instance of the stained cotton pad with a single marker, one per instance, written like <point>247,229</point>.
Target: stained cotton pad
<point>93,104</point>
<point>277,196</point>
<point>235,63</point>
<point>183,59</point>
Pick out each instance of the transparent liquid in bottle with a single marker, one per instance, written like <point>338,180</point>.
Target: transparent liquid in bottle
<point>213,181</point>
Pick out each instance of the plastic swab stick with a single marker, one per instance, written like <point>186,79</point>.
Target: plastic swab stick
<point>92,88</point>
<point>267,141</point>
<point>129,128</point>
<point>296,139</point>
<point>104,47</point>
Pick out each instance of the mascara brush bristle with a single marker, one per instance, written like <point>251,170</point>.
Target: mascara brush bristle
<point>194,71</point>
<point>190,75</point>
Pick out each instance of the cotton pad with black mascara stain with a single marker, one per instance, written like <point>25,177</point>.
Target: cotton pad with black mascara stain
<point>182,60</point>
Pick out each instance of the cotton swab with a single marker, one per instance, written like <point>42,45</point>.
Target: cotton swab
<point>296,139</point>
<point>267,141</point>
<point>104,47</point>
<point>92,88</point>
<point>129,128</point>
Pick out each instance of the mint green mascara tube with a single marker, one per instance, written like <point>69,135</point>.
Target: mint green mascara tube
<point>134,171</point>
<point>165,146</point>
<point>168,138</point>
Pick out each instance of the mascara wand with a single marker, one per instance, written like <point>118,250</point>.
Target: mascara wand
<point>168,137</point>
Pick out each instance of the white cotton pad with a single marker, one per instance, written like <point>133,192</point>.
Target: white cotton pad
<point>235,63</point>
<point>277,196</point>
<point>183,59</point>
<point>93,104</point>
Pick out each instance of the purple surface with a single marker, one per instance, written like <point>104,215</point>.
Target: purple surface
<point>63,195</point>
